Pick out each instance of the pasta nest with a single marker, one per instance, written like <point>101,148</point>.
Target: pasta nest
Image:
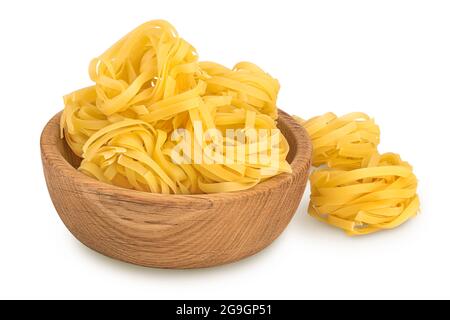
<point>150,85</point>
<point>355,188</point>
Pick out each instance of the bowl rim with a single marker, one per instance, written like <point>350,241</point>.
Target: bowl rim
<point>54,159</point>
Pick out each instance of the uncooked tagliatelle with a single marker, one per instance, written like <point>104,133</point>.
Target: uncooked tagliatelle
<point>360,191</point>
<point>342,143</point>
<point>148,86</point>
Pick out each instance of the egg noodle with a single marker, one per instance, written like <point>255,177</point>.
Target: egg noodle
<point>158,120</point>
<point>150,92</point>
<point>357,189</point>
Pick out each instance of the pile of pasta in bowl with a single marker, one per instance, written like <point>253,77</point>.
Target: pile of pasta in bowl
<point>150,92</point>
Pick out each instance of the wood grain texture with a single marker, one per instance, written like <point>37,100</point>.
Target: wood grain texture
<point>174,231</point>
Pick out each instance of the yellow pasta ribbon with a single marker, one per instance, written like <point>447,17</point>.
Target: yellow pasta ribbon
<point>358,190</point>
<point>150,84</point>
<point>342,143</point>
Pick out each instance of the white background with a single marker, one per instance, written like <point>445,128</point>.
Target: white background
<point>390,59</point>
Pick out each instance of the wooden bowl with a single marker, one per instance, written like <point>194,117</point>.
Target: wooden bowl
<point>174,231</point>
